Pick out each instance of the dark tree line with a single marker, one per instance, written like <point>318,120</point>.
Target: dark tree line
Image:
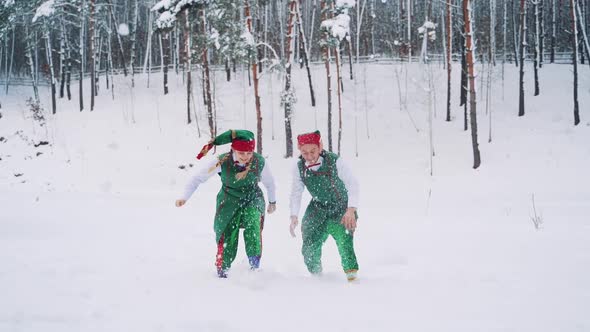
<point>68,40</point>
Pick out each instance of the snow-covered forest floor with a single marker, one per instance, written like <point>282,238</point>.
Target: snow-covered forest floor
<point>90,239</point>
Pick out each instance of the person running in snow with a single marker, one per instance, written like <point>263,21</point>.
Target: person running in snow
<point>240,203</point>
<point>332,210</point>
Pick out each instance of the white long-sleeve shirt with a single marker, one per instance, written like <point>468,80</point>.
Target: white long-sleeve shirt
<point>344,173</point>
<point>204,174</point>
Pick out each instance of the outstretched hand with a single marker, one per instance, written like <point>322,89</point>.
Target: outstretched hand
<point>349,219</point>
<point>294,223</point>
<point>180,202</point>
<point>271,207</point>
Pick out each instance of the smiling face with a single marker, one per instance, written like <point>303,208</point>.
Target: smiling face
<point>311,152</point>
<point>244,157</point>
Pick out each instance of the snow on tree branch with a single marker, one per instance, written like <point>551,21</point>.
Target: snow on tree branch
<point>45,10</point>
<point>169,9</point>
<point>339,25</point>
<point>162,5</point>
<point>429,28</point>
<point>165,21</point>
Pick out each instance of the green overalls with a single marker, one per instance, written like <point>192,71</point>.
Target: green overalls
<point>240,204</point>
<point>324,214</point>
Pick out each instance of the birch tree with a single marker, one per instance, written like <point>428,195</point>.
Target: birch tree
<point>470,47</point>
<point>91,32</point>
<point>337,28</point>
<point>449,50</point>
<point>45,14</point>
<point>536,52</point>
<point>134,21</point>
<point>248,17</point>
<point>288,94</point>
<point>305,52</point>
<point>523,29</point>
<point>574,27</point>
<point>325,44</point>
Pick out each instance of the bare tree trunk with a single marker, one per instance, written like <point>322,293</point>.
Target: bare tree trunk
<point>255,78</point>
<point>62,60</point>
<point>37,61</point>
<point>471,69</point>
<point>98,59</point>
<point>522,56</point>
<point>349,45</point>
<point>339,94</point>
<point>29,56</point>
<point>541,32</point>
<point>258,31</point>
<point>164,42</point>
<point>286,97</point>
<point>82,60</point>
<point>281,28</point>
<point>536,55</point>
<point>311,27</point>
<point>360,10</point>
<point>1,55</point>
<point>133,40</point>
<point>175,48</point>
<point>187,59</point>
<point>305,54</point>
<point>48,51</point>
<point>326,50</point>
<point>227,70</point>
<point>210,116</point>
<point>409,15</point>
<point>449,49</point>
<point>110,61</point>
<point>1,58</point>
<point>69,73</point>
<point>107,65</point>
<point>372,16</point>
<point>583,31</point>
<point>91,20</point>
<point>464,79</point>
<point>148,49</point>
<point>553,30</point>
<point>5,42</point>
<point>492,32</point>
<point>504,41</point>
<point>515,34</point>
<point>124,61</point>
<point>9,69</point>
<point>573,5</point>
<point>329,89</point>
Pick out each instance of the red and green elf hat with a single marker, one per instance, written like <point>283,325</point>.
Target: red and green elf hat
<point>309,138</point>
<point>241,140</point>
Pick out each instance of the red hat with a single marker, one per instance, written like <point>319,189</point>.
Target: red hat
<point>240,145</point>
<point>309,138</point>
<point>241,140</point>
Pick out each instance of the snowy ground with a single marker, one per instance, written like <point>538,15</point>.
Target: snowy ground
<point>90,239</point>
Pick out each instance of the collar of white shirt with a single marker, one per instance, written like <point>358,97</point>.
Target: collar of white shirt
<point>235,157</point>
<point>315,166</point>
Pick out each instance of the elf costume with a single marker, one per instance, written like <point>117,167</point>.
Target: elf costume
<point>240,202</point>
<point>333,189</point>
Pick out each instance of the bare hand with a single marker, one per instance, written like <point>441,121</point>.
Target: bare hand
<point>180,202</point>
<point>349,219</point>
<point>294,223</point>
<point>271,207</point>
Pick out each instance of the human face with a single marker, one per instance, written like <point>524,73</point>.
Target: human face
<point>244,157</point>
<point>310,152</point>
